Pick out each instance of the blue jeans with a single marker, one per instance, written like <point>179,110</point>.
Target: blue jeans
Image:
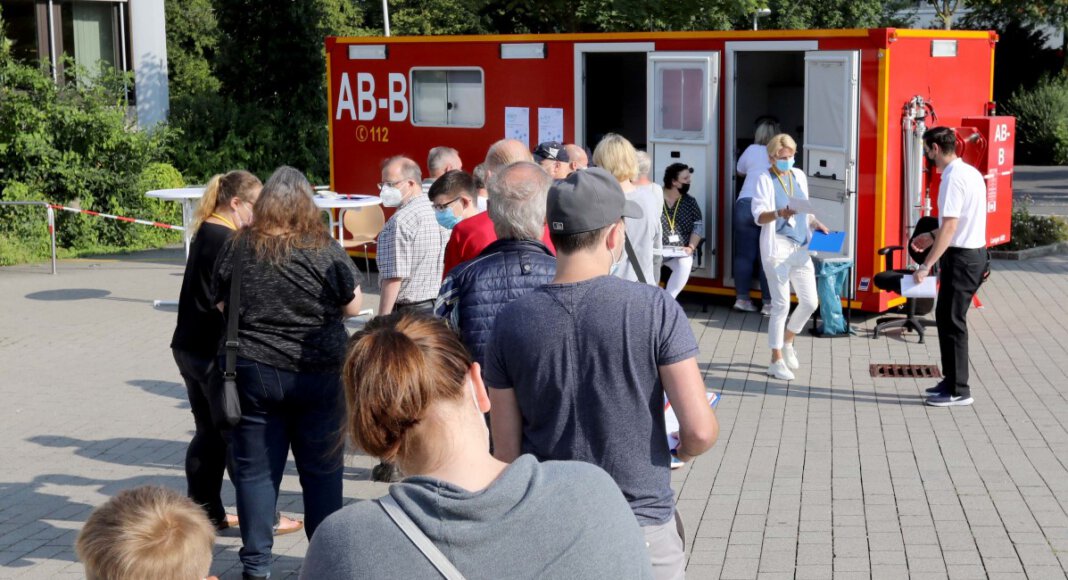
<point>280,408</point>
<point>747,251</point>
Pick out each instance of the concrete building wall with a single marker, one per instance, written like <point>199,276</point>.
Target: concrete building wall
<point>148,49</point>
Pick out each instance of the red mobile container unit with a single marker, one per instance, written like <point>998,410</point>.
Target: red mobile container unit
<point>855,101</point>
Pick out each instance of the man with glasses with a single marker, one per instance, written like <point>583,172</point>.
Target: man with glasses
<point>454,197</point>
<point>411,247</point>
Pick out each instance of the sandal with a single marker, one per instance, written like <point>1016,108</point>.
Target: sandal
<point>228,521</point>
<point>292,526</point>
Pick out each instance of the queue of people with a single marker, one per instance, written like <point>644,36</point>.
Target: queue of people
<point>524,402</point>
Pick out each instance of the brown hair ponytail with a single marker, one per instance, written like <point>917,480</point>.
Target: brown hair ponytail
<point>395,369</point>
<point>221,189</point>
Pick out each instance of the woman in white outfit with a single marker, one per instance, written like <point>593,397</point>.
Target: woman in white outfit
<point>784,238</point>
<point>616,155</point>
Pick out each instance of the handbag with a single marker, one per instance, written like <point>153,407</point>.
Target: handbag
<point>226,410</point>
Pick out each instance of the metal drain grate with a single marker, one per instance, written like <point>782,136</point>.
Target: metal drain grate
<point>905,371</point>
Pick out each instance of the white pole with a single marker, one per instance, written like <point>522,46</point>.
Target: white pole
<point>385,14</point>
<point>52,43</point>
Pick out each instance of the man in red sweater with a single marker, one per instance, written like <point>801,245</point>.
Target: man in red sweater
<point>473,234</point>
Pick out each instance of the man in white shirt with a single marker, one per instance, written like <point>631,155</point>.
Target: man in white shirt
<point>958,246</point>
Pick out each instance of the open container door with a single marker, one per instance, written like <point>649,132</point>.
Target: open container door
<point>832,96</point>
<point>683,111</point>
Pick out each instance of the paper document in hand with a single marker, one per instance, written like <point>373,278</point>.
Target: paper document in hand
<point>801,205</point>
<point>673,252</point>
<point>671,422</point>
<point>926,289</point>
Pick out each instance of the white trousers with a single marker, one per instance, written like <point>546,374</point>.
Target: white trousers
<point>790,265</point>
<point>680,273</point>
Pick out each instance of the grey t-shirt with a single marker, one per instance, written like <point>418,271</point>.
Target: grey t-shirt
<point>537,520</point>
<point>291,314</point>
<point>583,360</point>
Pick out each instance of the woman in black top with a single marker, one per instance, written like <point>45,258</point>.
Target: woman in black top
<point>297,285</point>
<point>225,207</point>
<point>681,224</point>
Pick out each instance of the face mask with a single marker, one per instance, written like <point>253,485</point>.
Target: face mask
<point>446,219</point>
<point>784,165</point>
<point>480,203</point>
<point>616,262</point>
<point>474,395</point>
<point>684,188</point>
<point>391,196</point>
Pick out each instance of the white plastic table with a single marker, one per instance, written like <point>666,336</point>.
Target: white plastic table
<point>328,200</point>
<point>187,196</point>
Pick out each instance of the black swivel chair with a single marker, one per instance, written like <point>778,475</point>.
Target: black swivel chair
<point>890,280</point>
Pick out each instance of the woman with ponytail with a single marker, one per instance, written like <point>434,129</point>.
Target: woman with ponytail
<point>225,207</point>
<point>414,397</point>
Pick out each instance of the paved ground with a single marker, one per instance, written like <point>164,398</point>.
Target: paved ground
<point>836,474</point>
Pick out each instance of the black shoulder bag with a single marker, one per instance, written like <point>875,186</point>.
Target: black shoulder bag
<point>632,256</point>
<point>228,405</point>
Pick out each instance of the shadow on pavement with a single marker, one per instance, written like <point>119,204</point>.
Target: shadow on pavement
<point>70,294</point>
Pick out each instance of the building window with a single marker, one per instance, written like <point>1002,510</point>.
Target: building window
<point>89,35</point>
<point>448,97</point>
<point>20,24</point>
<point>681,101</point>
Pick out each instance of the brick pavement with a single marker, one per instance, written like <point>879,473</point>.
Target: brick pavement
<point>833,475</point>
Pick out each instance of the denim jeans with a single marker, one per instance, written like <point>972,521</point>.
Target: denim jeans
<point>747,251</point>
<point>205,458</point>
<point>280,408</point>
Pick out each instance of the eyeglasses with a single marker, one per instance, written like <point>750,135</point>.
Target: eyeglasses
<point>441,206</point>
<point>384,184</point>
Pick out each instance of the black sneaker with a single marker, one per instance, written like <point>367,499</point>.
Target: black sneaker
<point>939,389</point>
<point>948,400</point>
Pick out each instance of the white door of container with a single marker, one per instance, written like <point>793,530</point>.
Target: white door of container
<point>683,111</point>
<point>832,89</point>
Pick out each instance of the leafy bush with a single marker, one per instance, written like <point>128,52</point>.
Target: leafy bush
<point>1032,231</point>
<point>1041,122</point>
<point>74,144</point>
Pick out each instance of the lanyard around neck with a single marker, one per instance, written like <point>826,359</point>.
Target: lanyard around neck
<point>788,191</point>
<point>675,213</point>
<point>228,223</point>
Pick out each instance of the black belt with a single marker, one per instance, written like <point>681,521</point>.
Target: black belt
<point>429,300</point>
<point>958,250</point>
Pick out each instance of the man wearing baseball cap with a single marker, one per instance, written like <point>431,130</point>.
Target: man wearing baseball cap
<point>553,158</point>
<point>578,368</point>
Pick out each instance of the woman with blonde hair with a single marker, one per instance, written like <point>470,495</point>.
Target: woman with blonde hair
<point>225,207</point>
<point>415,397</point>
<point>784,238</point>
<point>297,284</point>
<point>616,155</point>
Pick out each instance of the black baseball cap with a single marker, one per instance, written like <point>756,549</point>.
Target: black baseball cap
<point>587,200</point>
<point>553,150</point>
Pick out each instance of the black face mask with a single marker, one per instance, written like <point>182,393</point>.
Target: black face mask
<point>683,188</point>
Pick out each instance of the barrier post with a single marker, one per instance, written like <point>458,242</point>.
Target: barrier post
<point>52,234</point>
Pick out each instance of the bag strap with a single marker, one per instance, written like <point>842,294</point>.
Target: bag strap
<point>633,258</point>
<point>432,553</point>
<point>230,372</point>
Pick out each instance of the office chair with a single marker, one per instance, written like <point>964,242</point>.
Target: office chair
<point>890,280</point>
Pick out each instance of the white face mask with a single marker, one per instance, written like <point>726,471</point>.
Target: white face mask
<point>617,263</point>
<point>480,203</point>
<point>391,196</point>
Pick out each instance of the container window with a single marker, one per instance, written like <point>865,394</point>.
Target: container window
<point>448,98</point>
<point>681,94</point>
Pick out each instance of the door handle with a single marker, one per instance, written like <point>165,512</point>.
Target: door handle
<point>833,176</point>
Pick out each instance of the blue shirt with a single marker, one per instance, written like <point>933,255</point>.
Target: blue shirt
<point>798,229</point>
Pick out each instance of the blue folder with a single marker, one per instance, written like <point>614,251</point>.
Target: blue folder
<point>831,243</point>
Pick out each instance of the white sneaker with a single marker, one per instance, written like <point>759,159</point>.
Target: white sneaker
<point>790,356</point>
<point>766,310</point>
<point>744,305</point>
<point>778,370</point>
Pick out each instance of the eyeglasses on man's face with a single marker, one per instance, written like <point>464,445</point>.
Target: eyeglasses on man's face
<point>441,206</point>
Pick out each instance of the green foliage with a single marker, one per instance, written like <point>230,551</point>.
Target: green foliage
<point>1041,122</point>
<point>1032,231</point>
<point>73,144</point>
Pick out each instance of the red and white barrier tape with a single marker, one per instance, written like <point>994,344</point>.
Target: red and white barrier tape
<point>119,217</point>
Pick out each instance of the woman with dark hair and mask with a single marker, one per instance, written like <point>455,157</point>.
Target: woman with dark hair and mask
<point>297,285</point>
<point>682,225</point>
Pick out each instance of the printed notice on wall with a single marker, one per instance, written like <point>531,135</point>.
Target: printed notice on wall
<point>550,125</point>
<point>517,124</point>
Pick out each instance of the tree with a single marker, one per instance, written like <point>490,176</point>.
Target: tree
<point>944,11</point>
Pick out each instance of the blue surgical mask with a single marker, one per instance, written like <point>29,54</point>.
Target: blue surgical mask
<point>784,165</point>
<point>446,218</point>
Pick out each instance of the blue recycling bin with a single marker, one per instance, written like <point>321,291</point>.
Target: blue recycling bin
<point>832,281</point>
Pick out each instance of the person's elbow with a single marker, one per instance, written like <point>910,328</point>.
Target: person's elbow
<point>352,309</point>
<point>696,439</point>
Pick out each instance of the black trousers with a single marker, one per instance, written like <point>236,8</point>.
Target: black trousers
<point>205,458</point>
<point>960,273</point>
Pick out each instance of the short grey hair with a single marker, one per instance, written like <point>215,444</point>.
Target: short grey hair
<point>645,163</point>
<point>408,169</point>
<point>439,157</point>
<point>517,198</point>
<point>767,129</point>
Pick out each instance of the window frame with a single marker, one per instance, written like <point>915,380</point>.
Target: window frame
<point>446,69</point>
